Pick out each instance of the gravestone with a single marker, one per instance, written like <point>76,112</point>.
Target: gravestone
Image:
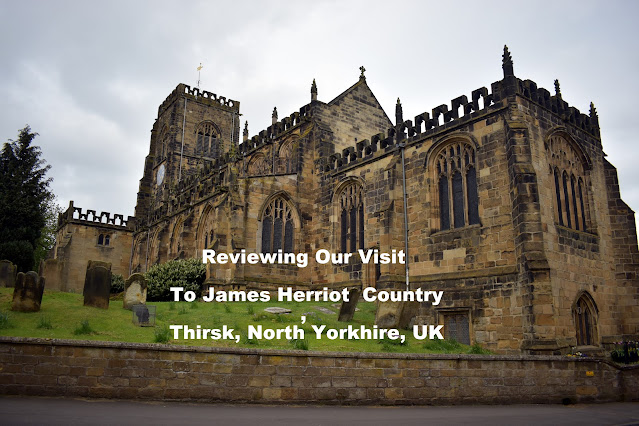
<point>142,314</point>
<point>388,314</point>
<point>323,310</point>
<point>276,310</point>
<point>135,289</point>
<point>97,284</point>
<point>395,314</point>
<point>347,310</point>
<point>27,292</point>
<point>7,273</point>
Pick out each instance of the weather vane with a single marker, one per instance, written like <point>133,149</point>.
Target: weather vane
<point>198,75</point>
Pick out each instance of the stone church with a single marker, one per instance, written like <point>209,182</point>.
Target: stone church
<point>503,200</point>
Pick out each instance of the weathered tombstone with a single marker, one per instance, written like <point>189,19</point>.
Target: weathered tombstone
<point>347,310</point>
<point>388,314</point>
<point>409,312</point>
<point>7,273</point>
<point>323,310</point>
<point>143,315</point>
<point>395,314</point>
<point>27,293</point>
<point>276,310</point>
<point>97,284</point>
<point>135,289</point>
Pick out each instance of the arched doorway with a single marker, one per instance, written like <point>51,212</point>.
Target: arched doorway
<point>585,316</point>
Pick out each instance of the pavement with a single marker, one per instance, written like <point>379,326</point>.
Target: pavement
<point>65,411</point>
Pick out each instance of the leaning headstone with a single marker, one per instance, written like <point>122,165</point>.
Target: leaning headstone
<point>97,284</point>
<point>27,293</point>
<point>7,273</point>
<point>135,288</point>
<point>347,310</point>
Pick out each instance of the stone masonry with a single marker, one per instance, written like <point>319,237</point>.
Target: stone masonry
<point>512,209</point>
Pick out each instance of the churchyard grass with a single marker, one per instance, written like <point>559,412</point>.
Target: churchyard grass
<point>65,314</point>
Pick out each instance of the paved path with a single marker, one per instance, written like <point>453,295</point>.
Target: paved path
<point>54,411</point>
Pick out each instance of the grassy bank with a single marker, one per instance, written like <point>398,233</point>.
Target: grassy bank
<point>64,317</point>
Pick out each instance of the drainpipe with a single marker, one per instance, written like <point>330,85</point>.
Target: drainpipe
<point>402,147</point>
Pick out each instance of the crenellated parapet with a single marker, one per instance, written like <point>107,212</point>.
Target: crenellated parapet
<point>203,96</point>
<point>89,217</point>
<point>461,110</point>
<point>556,104</point>
<point>275,130</point>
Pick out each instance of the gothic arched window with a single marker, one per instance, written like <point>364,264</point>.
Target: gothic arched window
<point>259,165</point>
<point>351,218</point>
<point>207,141</point>
<point>205,229</point>
<point>176,239</point>
<point>277,226</point>
<point>567,168</point>
<point>286,160</point>
<point>456,179</point>
<point>161,145</point>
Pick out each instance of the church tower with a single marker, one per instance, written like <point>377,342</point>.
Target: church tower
<point>194,130</point>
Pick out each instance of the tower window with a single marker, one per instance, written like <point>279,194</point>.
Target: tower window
<point>207,141</point>
<point>104,239</point>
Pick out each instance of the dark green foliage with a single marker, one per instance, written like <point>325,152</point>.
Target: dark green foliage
<point>117,283</point>
<point>84,328</point>
<point>45,322</point>
<point>162,335</point>
<point>299,344</point>
<point>187,273</point>
<point>24,199</point>
<point>46,242</point>
<point>5,320</point>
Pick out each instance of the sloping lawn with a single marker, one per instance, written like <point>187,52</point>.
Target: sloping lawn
<point>63,316</point>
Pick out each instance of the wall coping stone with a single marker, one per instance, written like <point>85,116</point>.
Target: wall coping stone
<point>293,353</point>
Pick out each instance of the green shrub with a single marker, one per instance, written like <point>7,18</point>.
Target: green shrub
<point>44,322</point>
<point>187,273</point>
<point>477,349</point>
<point>117,283</point>
<point>162,335</point>
<point>299,344</point>
<point>84,328</point>
<point>5,320</point>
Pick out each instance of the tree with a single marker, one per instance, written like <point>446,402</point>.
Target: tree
<point>47,237</point>
<point>24,197</point>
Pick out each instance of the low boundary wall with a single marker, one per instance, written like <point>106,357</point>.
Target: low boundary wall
<point>182,373</point>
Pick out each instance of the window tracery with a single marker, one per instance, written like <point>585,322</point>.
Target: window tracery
<point>277,226</point>
<point>351,218</point>
<point>456,179</point>
<point>567,168</point>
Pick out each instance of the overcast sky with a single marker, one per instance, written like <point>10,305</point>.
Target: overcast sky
<point>88,76</point>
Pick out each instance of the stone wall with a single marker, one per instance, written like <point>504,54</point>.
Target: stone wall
<point>165,372</point>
